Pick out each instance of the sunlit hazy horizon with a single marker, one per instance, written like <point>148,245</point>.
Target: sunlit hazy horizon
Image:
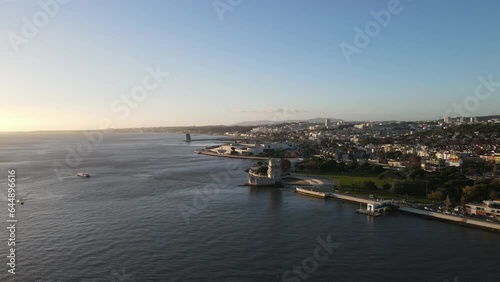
<point>260,60</point>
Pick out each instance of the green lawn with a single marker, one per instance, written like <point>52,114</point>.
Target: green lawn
<point>346,179</point>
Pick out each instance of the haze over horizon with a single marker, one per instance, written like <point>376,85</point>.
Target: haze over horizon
<point>193,63</point>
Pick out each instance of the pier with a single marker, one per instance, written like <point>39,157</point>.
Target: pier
<point>377,206</point>
<point>491,226</point>
<point>311,193</point>
<point>351,198</point>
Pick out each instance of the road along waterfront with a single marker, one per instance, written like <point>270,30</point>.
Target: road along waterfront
<point>430,214</point>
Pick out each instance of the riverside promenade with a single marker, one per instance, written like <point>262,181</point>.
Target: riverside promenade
<point>453,218</point>
<point>491,226</point>
<point>470,222</point>
<point>351,198</point>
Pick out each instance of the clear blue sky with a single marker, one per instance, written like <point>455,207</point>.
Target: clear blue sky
<point>265,60</point>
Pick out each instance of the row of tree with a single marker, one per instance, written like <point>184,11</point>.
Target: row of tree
<point>334,166</point>
<point>449,182</point>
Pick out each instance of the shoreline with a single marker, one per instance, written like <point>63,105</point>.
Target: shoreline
<point>465,221</point>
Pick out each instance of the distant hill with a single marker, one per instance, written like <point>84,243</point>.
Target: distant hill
<point>269,122</point>
<point>322,120</point>
<point>486,118</point>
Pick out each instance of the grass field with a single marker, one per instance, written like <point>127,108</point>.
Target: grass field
<point>346,179</point>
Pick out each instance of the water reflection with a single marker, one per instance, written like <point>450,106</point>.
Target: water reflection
<point>273,195</point>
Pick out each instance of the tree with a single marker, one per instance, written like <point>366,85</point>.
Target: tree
<point>310,164</point>
<point>339,186</point>
<point>447,202</point>
<point>262,170</point>
<point>493,195</point>
<point>356,184</point>
<point>352,166</point>
<point>435,196</point>
<point>415,174</point>
<point>285,164</point>
<point>414,161</point>
<point>342,166</point>
<point>378,169</point>
<point>478,151</point>
<point>369,185</point>
<point>391,174</point>
<point>387,187</point>
<point>329,166</point>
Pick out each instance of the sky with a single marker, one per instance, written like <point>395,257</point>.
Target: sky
<point>89,64</point>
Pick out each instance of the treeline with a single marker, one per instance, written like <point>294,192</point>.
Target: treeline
<point>334,166</point>
<point>469,129</point>
<point>447,183</point>
<point>472,128</point>
<point>418,182</point>
<point>437,186</point>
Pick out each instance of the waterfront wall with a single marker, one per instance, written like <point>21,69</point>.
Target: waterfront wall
<point>453,218</point>
<point>436,215</point>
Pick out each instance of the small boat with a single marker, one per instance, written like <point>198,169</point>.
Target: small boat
<point>82,174</point>
<point>20,200</point>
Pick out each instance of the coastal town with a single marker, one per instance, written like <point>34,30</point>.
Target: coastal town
<point>447,166</point>
<point>238,140</point>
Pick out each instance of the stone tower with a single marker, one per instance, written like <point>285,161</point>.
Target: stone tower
<point>274,170</point>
